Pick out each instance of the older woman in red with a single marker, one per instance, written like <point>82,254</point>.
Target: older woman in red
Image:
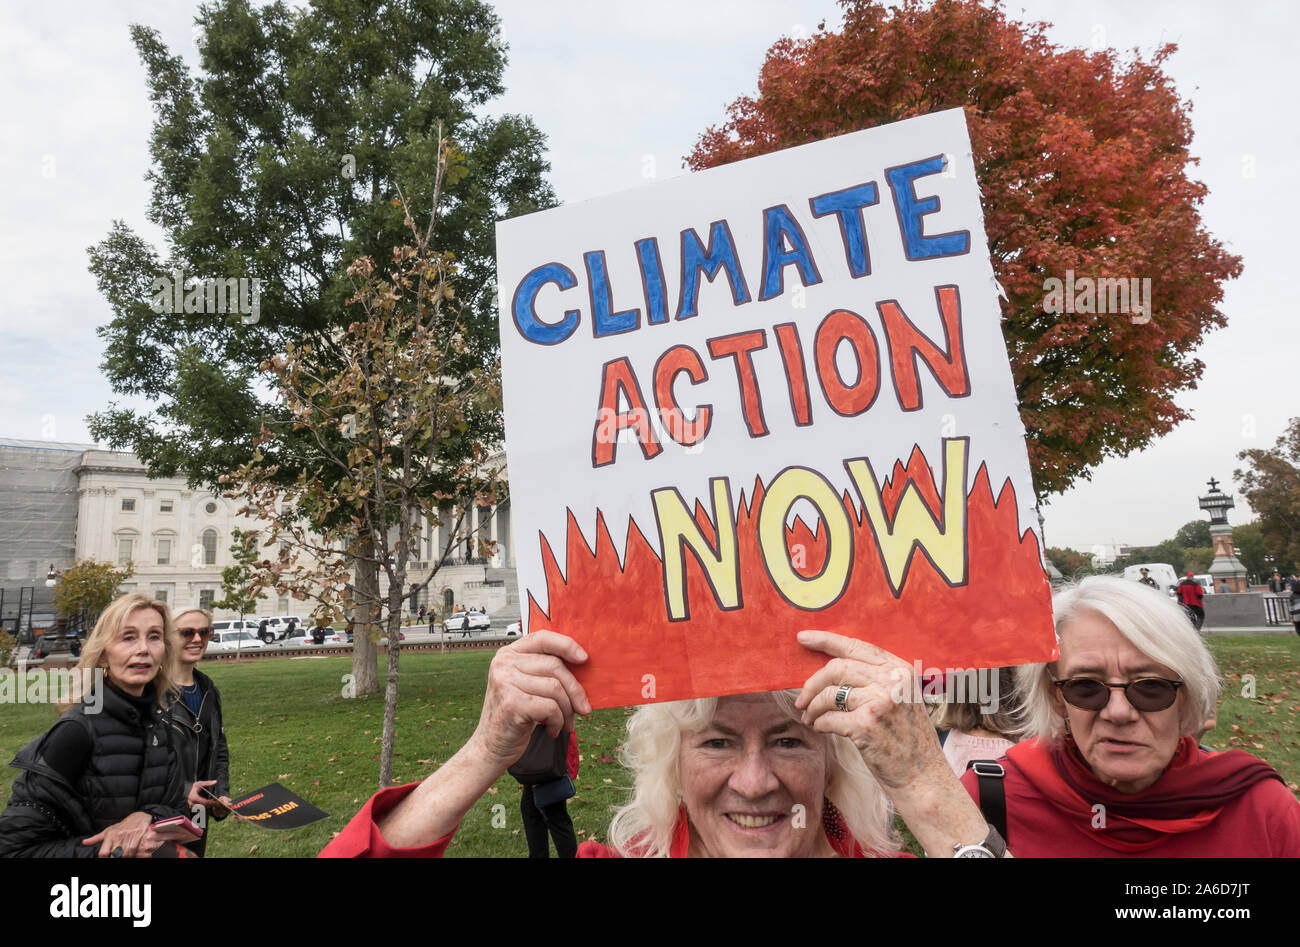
<point>1114,769</point>
<point>786,774</point>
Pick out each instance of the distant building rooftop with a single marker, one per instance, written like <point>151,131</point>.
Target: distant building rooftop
<point>66,446</point>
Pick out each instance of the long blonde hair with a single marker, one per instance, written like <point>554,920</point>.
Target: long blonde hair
<point>644,826</point>
<point>109,629</point>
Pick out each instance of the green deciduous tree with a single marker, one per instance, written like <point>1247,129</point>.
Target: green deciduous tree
<point>1070,562</point>
<point>241,575</point>
<point>397,424</point>
<point>1168,551</point>
<point>1197,559</point>
<point>1271,485</point>
<point>1194,533</point>
<point>88,586</point>
<point>276,162</point>
<point>1255,553</point>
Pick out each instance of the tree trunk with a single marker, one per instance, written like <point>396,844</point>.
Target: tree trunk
<point>365,673</point>
<point>390,687</point>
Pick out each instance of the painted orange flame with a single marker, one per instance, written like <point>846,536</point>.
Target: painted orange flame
<point>1001,616</point>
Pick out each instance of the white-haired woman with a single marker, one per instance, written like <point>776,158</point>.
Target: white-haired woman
<point>793,774</point>
<point>95,783</point>
<point>1113,768</point>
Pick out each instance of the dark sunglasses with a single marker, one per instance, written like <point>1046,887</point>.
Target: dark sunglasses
<point>1147,693</point>
<point>188,633</point>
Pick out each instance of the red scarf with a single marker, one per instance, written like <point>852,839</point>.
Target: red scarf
<point>1188,796</point>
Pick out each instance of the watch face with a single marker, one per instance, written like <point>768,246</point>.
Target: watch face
<point>974,851</point>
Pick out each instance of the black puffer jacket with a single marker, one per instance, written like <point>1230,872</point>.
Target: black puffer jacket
<point>131,768</point>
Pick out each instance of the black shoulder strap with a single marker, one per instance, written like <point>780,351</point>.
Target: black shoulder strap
<point>992,794</point>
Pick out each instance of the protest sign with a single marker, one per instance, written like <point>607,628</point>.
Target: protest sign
<point>766,397</point>
<point>274,807</point>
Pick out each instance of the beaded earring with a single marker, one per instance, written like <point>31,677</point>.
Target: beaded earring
<point>832,821</point>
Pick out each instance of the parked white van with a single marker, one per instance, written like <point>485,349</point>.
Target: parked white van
<point>1161,572</point>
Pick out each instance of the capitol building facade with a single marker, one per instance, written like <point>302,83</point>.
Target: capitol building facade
<point>60,503</point>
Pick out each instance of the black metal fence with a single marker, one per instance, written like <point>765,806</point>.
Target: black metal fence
<point>25,609</point>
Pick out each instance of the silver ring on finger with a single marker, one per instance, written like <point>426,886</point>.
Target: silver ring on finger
<point>842,697</point>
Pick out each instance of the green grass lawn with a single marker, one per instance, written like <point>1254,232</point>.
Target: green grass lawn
<point>287,720</point>
<point>1259,711</point>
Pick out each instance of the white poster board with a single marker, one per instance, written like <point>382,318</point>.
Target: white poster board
<point>769,396</point>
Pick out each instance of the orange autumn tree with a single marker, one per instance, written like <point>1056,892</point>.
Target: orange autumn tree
<point>1082,161</point>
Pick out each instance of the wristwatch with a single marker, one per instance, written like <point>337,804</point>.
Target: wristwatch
<point>992,847</point>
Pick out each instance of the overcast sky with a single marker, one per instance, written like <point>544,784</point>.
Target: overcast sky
<point>622,90</point>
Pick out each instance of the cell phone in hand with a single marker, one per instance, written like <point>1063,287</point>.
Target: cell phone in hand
<point>220,810</point>
<point>177,829</point>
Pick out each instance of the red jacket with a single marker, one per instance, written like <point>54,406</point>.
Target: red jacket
<point>1190,592</point>
<point>1263,821</point>
<point>361,838</point>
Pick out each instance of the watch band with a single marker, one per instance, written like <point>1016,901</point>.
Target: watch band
<point>992,847</point>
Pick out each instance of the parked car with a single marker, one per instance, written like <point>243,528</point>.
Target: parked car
<point>305,638</point>
<point>331,636</point>
<point>298,638</point>
<point>224,642</point>
<point>236,624</point>
<point>328,635</point>
<point>514,629</point>
<point>477,622</point>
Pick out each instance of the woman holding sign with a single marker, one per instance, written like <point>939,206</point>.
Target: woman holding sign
<point>1115,769</point>
<point>786,774</point>
<point>96,783</point>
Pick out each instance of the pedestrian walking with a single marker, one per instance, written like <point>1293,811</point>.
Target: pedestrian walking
<point>1192,597</point>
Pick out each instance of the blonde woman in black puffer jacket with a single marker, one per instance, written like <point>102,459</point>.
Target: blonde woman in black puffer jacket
<point>95,783</point>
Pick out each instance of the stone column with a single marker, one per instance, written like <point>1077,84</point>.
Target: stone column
<point>1226,566</point>
<point>505,536</point>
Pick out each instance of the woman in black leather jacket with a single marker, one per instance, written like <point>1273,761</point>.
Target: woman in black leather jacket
<point>95,783</point>
<point>197,728</point>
